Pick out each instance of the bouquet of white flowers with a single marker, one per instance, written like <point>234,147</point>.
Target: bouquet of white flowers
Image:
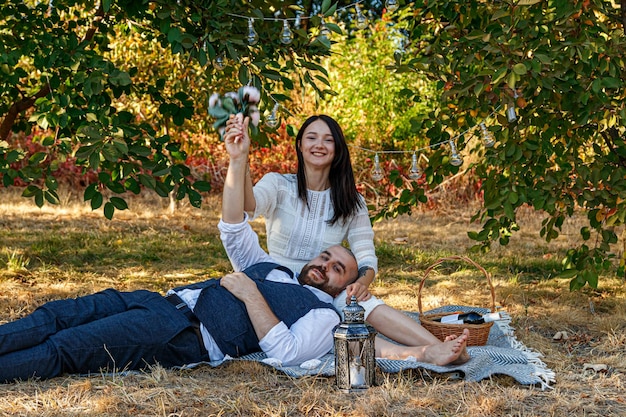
<point>244,101</point>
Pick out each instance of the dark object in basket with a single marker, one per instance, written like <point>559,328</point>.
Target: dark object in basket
<point>478,333</point>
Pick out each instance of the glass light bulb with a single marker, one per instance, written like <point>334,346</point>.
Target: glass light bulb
<point>324,31</point>
<point>298,21</point>
<point>361,20</point>
<point>286,36</point>
<point>415,173</point>
<point>253,37</point>
<point>272,119</point>
<point>377,172</point>
<point>219,62</point>
<point>455,158</point>
<point>391,5</point>
<point>488,140</point>
<point>510,113</point>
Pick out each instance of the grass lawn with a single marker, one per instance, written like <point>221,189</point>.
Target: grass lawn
<point>66,251</point>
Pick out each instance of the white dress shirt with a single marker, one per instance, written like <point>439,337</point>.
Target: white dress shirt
<point>309,337</point>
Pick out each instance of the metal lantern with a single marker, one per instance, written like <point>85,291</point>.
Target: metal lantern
<point>355,362</point>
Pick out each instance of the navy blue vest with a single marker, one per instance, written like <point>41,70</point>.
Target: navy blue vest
<point>226,317</point>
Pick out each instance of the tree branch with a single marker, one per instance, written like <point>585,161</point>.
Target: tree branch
<point>18,107</point>
<point>28,102</point>
<point>609,139</point>
<point>623,5</point>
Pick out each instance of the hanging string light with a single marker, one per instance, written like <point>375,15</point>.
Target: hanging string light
<point>455,158</point>
<point>286,35</point>
<point>272,119</point>
<point>324,31</point>
<point>253,37</point>
<point>377,172</point>
<point>487,136</point>
<point>361,20</point>
<point>219,62</point>
<point>298,21</point>
<point>391,5</point>
<point>419,160</point>
<point>415,173</point>
<point>511,115</point>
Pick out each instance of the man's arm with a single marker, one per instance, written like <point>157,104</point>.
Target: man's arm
<point>262,317</point>
<point>310,337</point>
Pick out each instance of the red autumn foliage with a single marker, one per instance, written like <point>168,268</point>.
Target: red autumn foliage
<point>208,161</point>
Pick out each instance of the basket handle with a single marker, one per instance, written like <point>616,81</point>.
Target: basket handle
<point>456,258</point>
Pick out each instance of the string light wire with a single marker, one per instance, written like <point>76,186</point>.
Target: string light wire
<point>280,19</point>
<point>434,145</point>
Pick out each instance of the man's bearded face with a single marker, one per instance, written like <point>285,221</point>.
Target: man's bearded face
<point>315,276</point>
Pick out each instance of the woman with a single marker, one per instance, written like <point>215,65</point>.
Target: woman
<point>319,207</point>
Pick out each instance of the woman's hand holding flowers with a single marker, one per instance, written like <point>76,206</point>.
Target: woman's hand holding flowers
<point>244,102</point>
<point>236,136</point>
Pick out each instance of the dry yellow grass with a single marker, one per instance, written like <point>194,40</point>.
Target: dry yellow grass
<point>65,251</point>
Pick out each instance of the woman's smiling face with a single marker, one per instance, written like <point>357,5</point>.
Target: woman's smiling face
<point>318,145</point>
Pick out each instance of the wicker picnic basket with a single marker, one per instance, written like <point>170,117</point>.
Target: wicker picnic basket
<point>479,333</point>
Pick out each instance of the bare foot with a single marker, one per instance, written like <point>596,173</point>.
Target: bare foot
<point>451,351</point>
<point>464,356</point>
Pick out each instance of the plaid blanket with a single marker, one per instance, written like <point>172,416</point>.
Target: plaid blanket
<point>503,354</point>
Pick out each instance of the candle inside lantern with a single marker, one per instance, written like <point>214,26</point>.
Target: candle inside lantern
<point>357,374</point>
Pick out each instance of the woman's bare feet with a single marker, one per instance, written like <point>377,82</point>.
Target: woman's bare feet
<point>464,356</point>
<point>451,351</point>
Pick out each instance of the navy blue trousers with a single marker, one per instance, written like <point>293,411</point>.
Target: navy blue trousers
<point>107,331</point>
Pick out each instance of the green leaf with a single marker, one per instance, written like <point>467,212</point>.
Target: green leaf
<point>512,79</point>
<point>161,171</point>
<point>162,189</point>
<point>84,151</point>
<point>499,13</point>
<point>90,191</point>
<point>585,232</point>
<point>195,198</point>
<point>37,158</point>
<point>271,74</point>
<point>472,235</point>
<point>499,75</point>
<point>147,181</point>
<point>96,201</point>
<point>132,185</point>
<point>51,197</point>
<point>121,146</point>
<point>545,59</point>
<point>202,186</point>
<point>39,198</point>
<point>508,210</point>
<point>610,82</point>
<point>109,209</point>
<point>30,191</point>
<point>568,273</point>
<point>119,203</point>
<point>519,69</point>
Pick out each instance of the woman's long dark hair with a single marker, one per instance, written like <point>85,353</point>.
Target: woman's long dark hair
<point>343,193</point>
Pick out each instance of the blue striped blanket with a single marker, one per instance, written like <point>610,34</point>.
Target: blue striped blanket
<point>502,354</point>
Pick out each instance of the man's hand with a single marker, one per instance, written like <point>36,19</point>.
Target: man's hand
<point>242,287</point>
<point>360,291</point>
